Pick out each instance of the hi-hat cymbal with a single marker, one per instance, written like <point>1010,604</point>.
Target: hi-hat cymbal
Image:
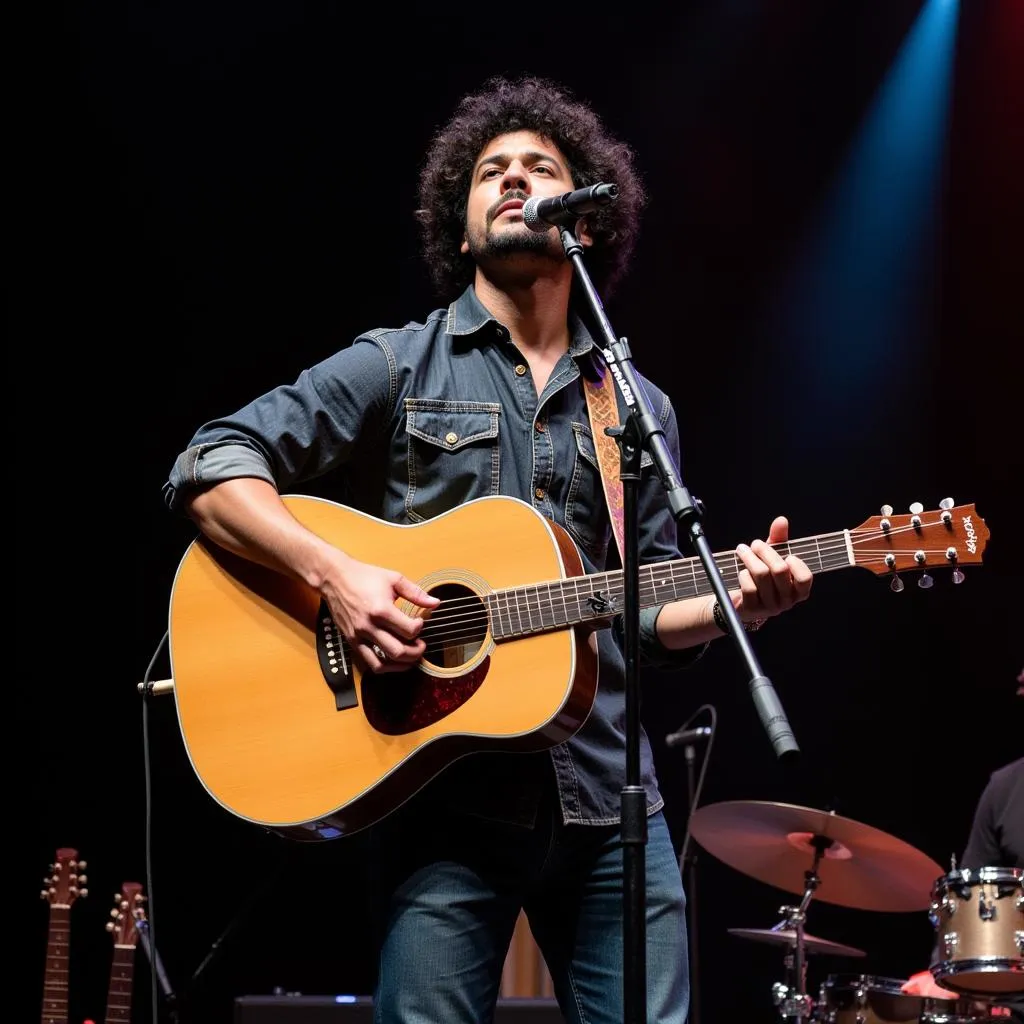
<point>861,866</point>
<point>787,937</point>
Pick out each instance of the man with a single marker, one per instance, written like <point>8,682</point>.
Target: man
<point>486,397</point>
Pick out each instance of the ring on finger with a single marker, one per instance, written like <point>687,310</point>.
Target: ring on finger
<point>379,652</point>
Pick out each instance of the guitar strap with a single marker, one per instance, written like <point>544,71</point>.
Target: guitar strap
<point>604,412</point>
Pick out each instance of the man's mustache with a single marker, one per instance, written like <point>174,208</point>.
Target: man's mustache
<point>506,198</point>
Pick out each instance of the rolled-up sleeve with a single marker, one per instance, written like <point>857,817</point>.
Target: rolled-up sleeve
<point>294,432</point>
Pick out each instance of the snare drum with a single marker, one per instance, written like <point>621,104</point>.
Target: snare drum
<point>866,999</point>
<point>979,919</point>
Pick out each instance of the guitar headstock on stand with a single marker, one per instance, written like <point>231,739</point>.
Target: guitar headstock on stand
<point>127,910</point>
<point>948,537</point>
<point>66,881</point>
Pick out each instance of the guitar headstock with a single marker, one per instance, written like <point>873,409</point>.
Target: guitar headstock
<point>126,911</point>
<point>948,537</point>
<point>66,882</point>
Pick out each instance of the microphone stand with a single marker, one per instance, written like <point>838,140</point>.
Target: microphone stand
<point>643,431</point>
<point>688,860</point>
<point>142,928</point>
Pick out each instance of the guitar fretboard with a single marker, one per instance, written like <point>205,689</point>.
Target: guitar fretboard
<point>119,994</point>
<point>55,977</point>
<point>537,608</point>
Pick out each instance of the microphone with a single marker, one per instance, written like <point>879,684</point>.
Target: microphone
<point>539,214</point>
<point>678,739</point>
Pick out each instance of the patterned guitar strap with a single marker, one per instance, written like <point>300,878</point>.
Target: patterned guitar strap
<point>604,412</point>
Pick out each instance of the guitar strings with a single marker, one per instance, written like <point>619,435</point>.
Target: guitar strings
<point>467,618</point>
<point>531,593</point>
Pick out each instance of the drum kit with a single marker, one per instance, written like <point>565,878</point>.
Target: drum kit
<point>978,915</point>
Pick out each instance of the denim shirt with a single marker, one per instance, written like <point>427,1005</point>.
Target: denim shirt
<point>406,423</point>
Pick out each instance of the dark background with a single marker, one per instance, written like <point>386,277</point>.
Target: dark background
<point>218,195</point>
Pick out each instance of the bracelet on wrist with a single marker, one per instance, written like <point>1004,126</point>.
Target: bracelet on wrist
<point>721,622</point>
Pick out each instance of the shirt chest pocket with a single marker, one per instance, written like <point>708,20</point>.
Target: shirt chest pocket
<point>453,454</point>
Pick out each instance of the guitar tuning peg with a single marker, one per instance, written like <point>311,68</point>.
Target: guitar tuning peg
<point>958,576</point>
<point>925,581</point>
<point>886,510</point>
<point>895,584</point>
<point>946,503</point>
<point>916,508</point>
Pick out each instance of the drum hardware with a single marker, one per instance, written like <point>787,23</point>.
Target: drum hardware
<point>790,997</point>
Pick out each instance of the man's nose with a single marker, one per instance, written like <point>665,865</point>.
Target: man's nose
<point>515,177</point>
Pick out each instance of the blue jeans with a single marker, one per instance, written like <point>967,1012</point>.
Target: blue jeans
<point>448,891</point>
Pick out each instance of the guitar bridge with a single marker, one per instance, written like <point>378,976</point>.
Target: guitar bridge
<point>335,660</point>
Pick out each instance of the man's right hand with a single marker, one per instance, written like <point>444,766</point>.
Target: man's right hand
<point>362,599</point>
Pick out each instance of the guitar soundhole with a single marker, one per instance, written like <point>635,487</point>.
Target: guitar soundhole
<point>456,629</point>
<point>400,702</point>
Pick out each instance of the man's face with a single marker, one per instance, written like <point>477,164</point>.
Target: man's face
<point>510,169</point>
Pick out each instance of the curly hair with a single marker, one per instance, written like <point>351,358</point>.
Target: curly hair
<point>538,105</point>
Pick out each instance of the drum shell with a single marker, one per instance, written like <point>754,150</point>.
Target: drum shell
<point>978,916</point>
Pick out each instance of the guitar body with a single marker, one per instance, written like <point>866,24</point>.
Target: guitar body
<point>285,731</point>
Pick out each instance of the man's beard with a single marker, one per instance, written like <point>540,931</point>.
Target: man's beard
<point>500,246</point>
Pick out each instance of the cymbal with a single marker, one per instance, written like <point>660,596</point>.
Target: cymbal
<point>861,867</point>
<point>787,937</point>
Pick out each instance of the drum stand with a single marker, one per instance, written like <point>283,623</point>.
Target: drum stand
<point>791,996</point>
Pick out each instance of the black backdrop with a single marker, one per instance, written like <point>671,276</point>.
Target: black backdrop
<point>218,195</point>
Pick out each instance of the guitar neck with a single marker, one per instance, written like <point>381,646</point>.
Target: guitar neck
<point>556,604</point>
<point>55,977</point>
<point>119,993</point>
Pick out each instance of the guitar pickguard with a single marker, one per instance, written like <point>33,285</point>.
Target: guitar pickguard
<point>398,703</point>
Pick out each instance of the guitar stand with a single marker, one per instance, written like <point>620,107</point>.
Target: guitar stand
<point>791,996</point>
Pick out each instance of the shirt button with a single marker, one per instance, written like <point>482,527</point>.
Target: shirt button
<point>539,493</point>
<point>451,437</point>
<point>520,369</point>
<point>540,426</point>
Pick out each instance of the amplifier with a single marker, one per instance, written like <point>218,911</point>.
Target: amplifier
<point>359,1010</point>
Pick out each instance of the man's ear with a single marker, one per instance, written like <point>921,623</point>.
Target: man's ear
<point>583,232</point>
<point>464,247</point>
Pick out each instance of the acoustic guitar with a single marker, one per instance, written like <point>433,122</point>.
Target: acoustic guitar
<point>127,910</point>
<point>61,888</point>
<point>286,731</point>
